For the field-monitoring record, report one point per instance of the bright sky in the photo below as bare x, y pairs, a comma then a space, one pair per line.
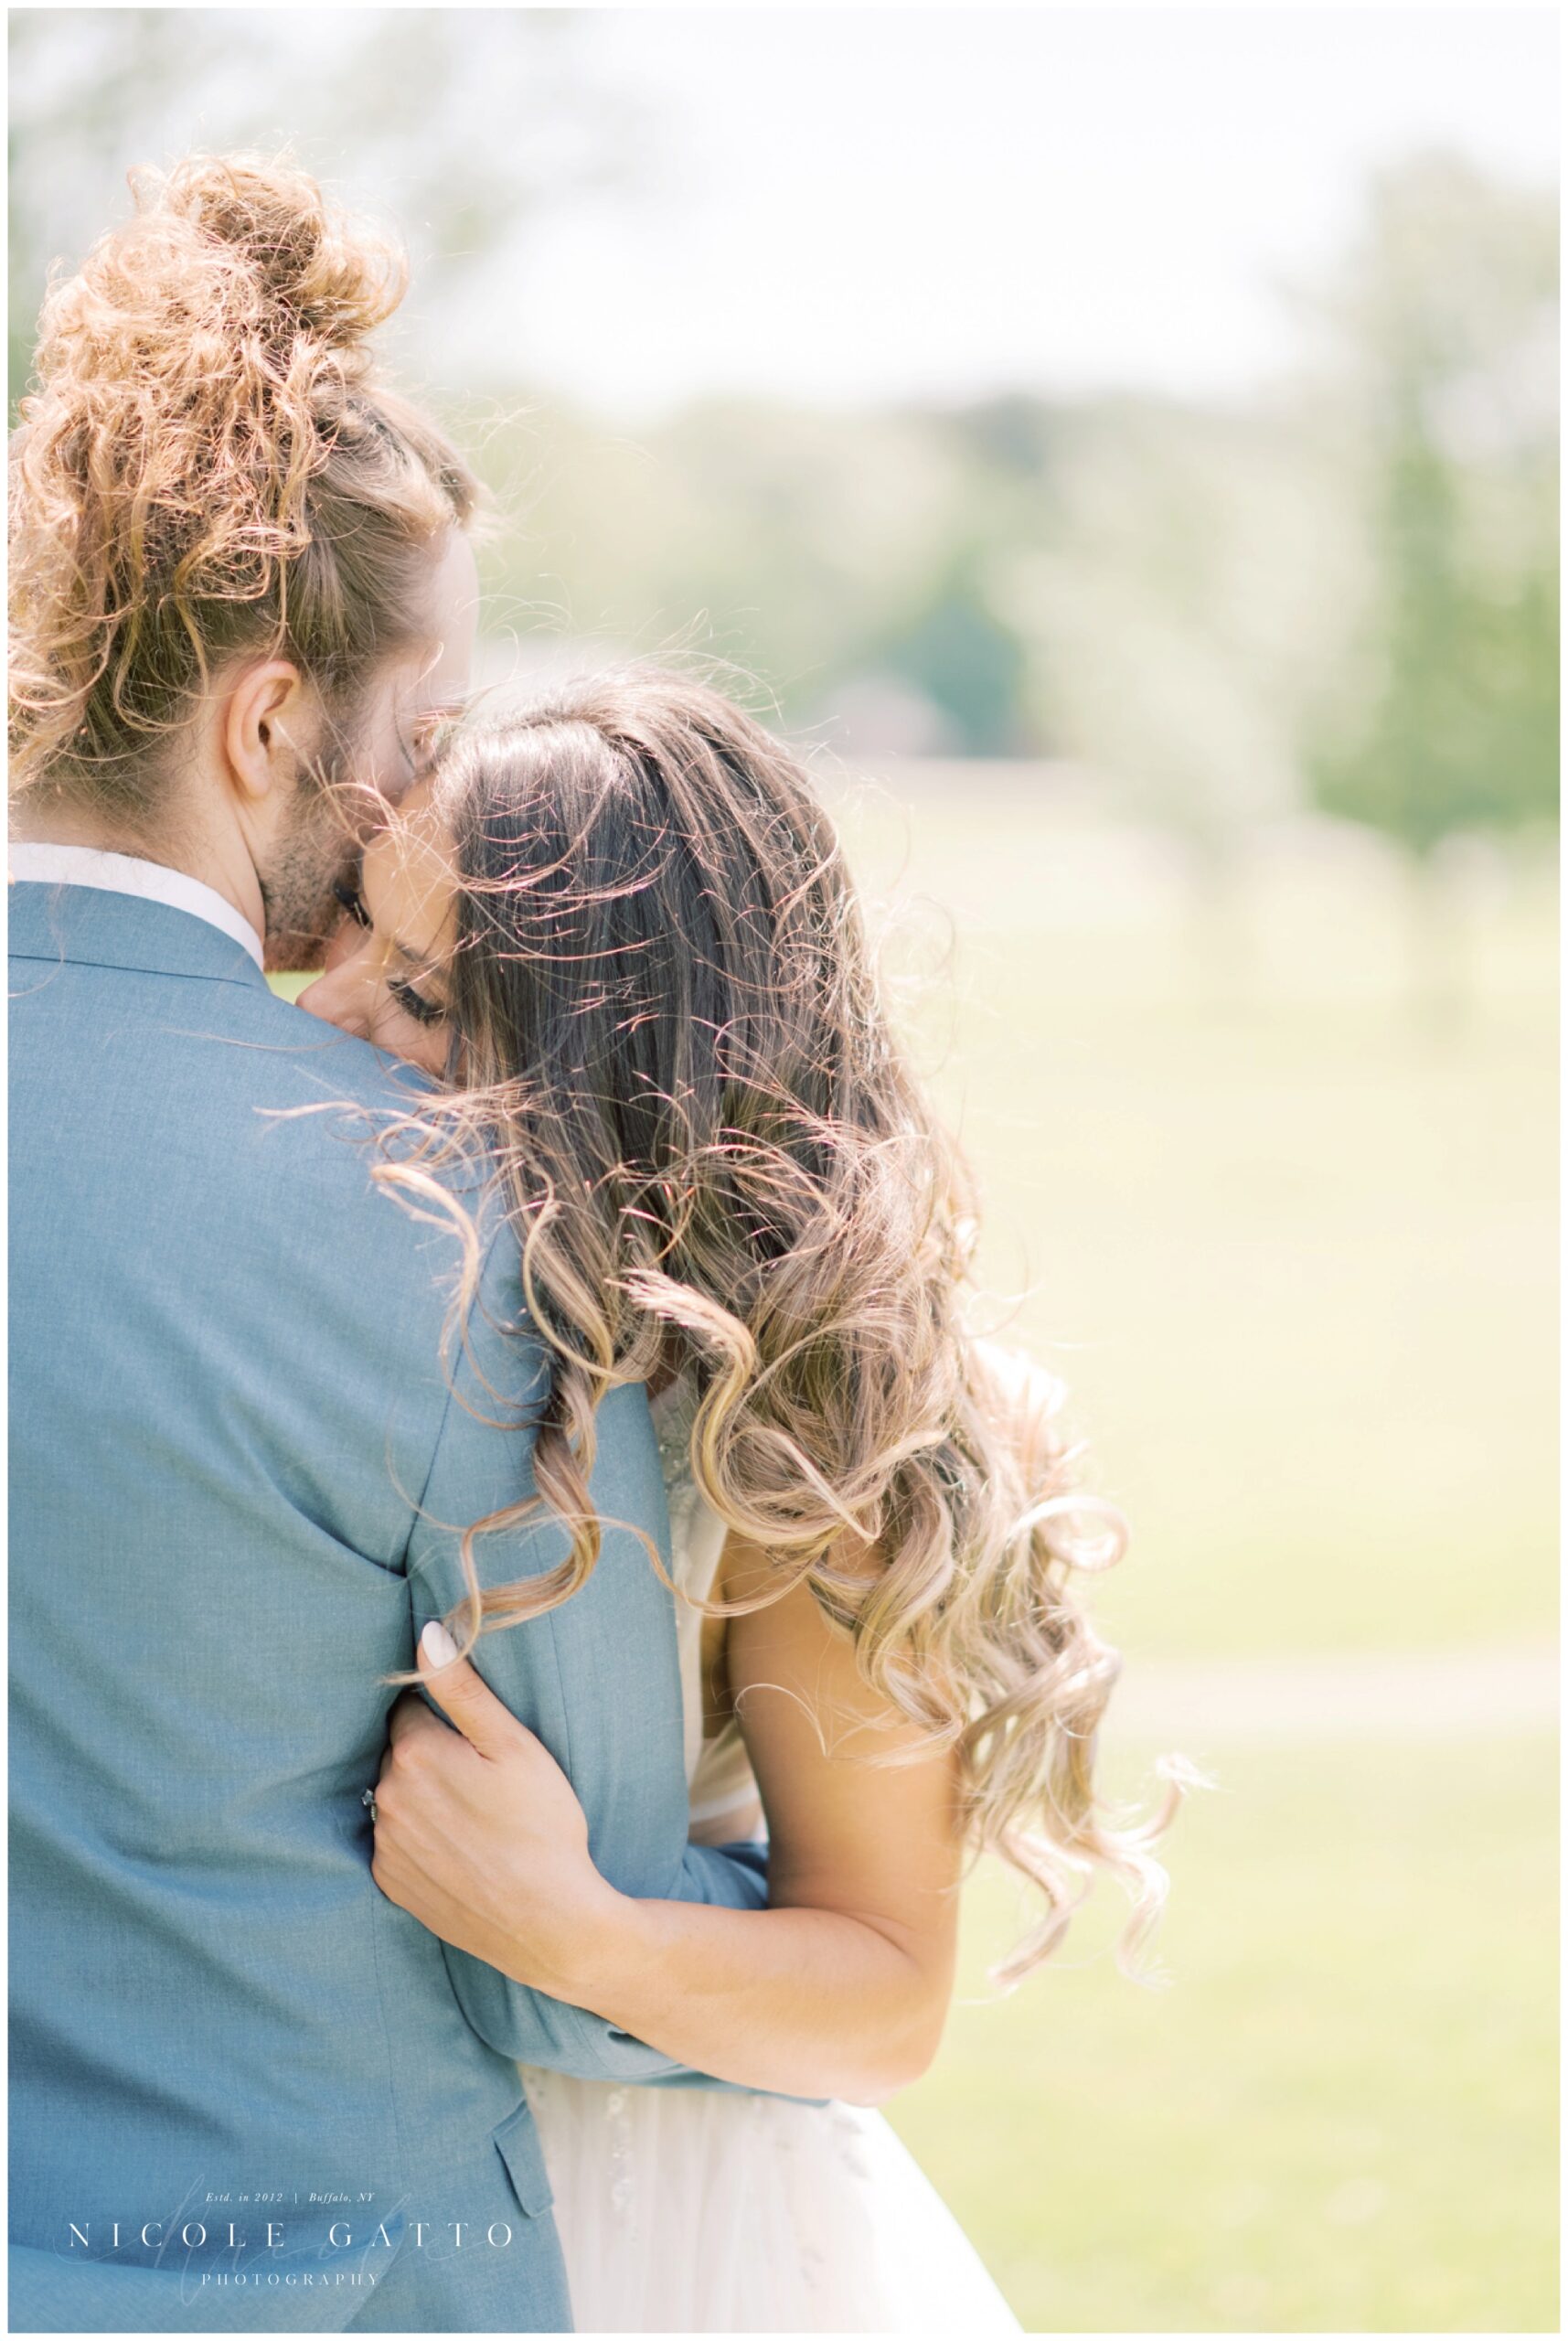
858, 203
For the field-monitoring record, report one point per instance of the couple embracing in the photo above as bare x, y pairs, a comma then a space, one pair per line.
524, 1591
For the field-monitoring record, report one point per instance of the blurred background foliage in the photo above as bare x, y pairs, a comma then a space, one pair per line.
1200, 756
1341, 592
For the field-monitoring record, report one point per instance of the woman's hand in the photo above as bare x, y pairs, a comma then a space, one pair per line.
480, 1836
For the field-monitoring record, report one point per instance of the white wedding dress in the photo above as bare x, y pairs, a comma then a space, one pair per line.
703, 2210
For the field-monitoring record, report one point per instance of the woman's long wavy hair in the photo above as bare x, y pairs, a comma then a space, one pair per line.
716, 1159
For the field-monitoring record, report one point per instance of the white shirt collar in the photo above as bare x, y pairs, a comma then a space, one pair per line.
127, 874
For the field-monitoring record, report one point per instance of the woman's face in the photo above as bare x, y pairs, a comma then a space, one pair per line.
385, 978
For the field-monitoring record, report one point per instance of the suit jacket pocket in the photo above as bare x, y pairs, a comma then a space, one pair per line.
517, 2141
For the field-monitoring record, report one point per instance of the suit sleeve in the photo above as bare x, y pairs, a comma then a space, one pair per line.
597, 1678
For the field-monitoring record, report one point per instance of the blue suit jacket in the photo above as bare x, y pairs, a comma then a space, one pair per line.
239, 1477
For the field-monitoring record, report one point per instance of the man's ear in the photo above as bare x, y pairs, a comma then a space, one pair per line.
266, 730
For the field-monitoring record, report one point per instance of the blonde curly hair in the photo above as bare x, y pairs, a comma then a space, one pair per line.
208, 467
667, 1029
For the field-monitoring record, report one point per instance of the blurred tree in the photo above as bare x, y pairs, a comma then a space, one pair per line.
1176, 594
846, 559
960, 644
456, 125
794, 545
1180, 598
1443, 332
967, 661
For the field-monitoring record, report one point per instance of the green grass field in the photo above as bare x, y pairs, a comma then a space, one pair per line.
1295, 1252
1341, 2115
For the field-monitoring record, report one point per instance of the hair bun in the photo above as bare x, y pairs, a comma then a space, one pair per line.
313, 274
203, 415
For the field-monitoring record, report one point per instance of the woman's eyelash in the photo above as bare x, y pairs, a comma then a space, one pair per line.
422, 1010
413, 1003
352, 901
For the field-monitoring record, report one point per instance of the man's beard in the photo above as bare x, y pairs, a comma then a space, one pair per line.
318, 852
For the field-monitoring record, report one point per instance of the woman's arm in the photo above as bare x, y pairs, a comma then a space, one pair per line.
838, 1989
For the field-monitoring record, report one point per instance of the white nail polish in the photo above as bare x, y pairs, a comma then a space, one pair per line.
437, 1644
